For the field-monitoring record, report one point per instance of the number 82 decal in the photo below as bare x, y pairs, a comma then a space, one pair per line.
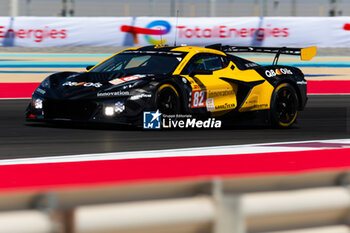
198, 99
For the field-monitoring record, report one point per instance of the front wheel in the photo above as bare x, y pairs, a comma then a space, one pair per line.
284, 106
168, 99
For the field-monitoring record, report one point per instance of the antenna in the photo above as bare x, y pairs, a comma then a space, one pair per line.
177, 20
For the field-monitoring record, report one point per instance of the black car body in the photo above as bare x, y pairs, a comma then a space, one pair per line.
172, 80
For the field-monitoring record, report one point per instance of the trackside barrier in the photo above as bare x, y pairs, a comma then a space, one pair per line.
330, 229
29, 221
185, 213
139, 31
308, 203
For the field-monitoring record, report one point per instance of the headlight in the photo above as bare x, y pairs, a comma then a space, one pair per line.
37, 104
109, 111
117, 108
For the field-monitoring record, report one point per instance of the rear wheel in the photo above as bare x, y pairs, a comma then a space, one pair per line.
284, 106
168, 99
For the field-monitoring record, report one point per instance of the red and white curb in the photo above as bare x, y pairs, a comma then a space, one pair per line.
295, 146
163, 165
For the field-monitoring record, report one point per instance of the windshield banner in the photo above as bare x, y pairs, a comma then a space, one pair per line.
139, 31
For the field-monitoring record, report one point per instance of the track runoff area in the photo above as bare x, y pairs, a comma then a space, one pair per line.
21, 73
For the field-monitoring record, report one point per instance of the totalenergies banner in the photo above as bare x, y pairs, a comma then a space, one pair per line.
138, 31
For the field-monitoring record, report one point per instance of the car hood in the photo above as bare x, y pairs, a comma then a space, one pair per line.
70, 85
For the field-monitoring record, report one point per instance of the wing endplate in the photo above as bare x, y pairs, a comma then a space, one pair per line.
306, 54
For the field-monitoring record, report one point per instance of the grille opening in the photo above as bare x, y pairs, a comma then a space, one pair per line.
69, 109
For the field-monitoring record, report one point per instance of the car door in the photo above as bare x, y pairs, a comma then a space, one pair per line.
208, 90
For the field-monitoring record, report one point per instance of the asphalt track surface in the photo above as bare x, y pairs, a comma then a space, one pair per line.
326, 117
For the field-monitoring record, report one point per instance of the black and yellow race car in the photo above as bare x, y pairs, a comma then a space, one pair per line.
203, 82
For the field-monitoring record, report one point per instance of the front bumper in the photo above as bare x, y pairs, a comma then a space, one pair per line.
121, 111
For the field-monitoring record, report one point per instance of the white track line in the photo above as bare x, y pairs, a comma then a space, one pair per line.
196, 151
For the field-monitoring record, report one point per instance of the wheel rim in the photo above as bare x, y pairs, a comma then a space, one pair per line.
286, 106
167, 101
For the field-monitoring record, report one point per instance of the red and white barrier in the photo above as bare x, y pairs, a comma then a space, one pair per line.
129, 31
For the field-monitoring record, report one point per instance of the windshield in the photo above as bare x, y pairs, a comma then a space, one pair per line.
142, 62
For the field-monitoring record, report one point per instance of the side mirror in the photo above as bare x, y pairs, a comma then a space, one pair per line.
89, 67
202, 72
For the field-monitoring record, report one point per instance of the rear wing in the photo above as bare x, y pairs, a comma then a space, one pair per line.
305, 54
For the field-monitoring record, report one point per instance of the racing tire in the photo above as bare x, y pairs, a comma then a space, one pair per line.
167, 100
284, 106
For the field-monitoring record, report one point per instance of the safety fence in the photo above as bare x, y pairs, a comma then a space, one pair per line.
308, 203
192, 8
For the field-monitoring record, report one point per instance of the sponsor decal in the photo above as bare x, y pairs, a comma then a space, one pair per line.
38, 35
273, 73
254, 101
278, 72
346, 27
140, 96
286, 71
119, 107
162, 27
133, 77
73, 75
41, 91
212, 94
258, 106
249, 65
152, 120
198, 99
116, 81
156, 28
302, 82
113, 93
85, 84
225, 106
223, 31
126, 79
270, 73
210, 104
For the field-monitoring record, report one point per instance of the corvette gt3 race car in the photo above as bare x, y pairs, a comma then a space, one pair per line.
203, 82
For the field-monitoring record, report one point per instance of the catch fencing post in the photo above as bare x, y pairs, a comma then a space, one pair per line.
13, 8
294, 8
228, 218
62, 220
172, 8
152, 6
212, 8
